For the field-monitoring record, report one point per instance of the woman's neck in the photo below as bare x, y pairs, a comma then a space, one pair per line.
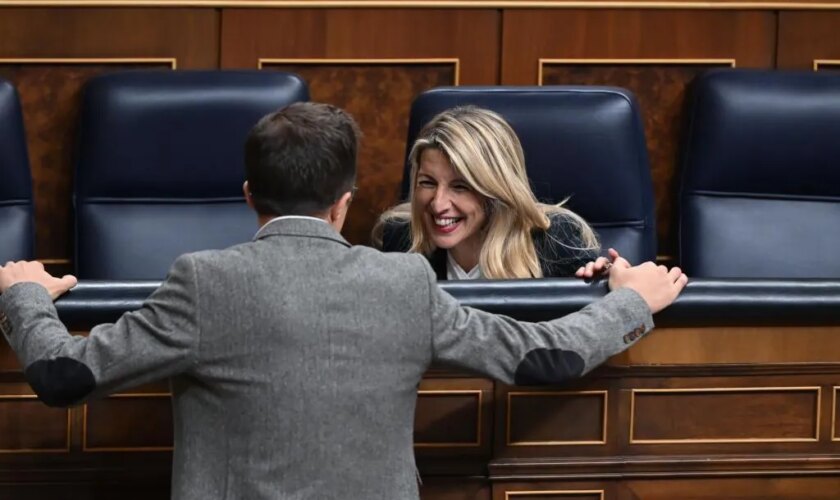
465, 255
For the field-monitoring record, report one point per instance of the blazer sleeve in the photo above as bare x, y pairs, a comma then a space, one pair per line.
157, 341
524, 353
561, 250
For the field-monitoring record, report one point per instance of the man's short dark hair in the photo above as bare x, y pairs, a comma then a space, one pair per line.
301, 159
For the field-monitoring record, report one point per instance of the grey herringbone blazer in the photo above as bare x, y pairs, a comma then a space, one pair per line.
295, 360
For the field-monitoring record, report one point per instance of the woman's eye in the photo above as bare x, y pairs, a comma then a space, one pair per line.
426, 183
460, 188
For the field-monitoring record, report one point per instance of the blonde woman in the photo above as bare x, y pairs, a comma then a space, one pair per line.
471, 210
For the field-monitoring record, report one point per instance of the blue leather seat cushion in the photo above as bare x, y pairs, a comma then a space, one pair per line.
118, 235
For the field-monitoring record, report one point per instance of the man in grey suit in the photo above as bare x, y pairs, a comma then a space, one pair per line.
295, 357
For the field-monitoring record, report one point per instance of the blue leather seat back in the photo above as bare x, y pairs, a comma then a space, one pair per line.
160, 165
16, 210
760, 194
586, 143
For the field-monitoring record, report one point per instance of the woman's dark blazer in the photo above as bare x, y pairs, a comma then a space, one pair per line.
556, 260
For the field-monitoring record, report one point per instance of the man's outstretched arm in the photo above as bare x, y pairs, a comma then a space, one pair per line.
554, 351
154, 342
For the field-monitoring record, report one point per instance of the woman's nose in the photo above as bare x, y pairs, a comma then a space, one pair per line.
441, 201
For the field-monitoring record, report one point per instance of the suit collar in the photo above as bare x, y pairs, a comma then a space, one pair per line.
302, 227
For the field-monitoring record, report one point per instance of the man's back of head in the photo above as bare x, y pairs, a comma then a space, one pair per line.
301, 159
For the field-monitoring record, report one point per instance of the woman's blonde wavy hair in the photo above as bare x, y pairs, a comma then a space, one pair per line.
485, 151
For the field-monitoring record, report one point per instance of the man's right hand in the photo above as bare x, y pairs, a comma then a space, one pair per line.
33, 272
656, 284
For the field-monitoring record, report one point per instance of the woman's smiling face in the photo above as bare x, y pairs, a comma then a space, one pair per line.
453, 213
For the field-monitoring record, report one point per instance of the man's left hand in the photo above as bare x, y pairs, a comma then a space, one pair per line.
33, 272
598, 268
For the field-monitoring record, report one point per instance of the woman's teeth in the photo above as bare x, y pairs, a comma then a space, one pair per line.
446, 222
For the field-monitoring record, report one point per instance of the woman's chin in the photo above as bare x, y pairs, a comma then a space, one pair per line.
444, 241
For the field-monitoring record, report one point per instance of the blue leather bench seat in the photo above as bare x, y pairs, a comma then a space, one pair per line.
160, 166
16, 209
760, 193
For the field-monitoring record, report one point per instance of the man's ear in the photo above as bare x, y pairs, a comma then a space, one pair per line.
246, 190
338, 210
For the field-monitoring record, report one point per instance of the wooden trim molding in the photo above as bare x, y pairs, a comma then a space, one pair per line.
146, 395
652, 62
434, 4
817, 411
834, 436
479, 414
173, 62
821, 63
602, 441
695, 346
456, 62
559, 493
13, 451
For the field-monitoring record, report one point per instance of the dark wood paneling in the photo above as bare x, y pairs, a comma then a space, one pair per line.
448, 418
555, 418
81, 491
554, 495
443, 488
743, 345
8, 360
679, 40
835, 406
454, 417
27, 426
759, 488
372, 63
747, 36
190, 35
807, 36
548, 490
135, 422
50, 91
729, 415
472, 36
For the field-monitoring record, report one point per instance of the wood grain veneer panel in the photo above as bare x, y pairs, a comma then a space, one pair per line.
190, 35
49, 53
680, 40
805, 37
8, 360
554, 495
373, 63
29, 426
549, 418
548, 490
453, 417
529, 35
734, 345
718, 415
835, 405
447, 488
448, 419
713, 488
470, 35
129, 422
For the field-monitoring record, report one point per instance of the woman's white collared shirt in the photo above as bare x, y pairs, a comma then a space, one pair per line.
455, 272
